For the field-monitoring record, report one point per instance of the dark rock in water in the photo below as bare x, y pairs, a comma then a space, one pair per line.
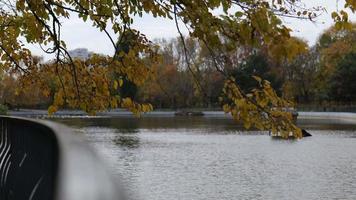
188, 113
305, 133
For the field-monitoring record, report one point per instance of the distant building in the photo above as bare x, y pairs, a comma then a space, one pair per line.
81, 53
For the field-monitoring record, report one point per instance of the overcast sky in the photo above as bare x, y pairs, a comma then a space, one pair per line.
78, 34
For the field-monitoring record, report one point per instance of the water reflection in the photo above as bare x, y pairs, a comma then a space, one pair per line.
210, 125
121, 125
127, 141
131, 123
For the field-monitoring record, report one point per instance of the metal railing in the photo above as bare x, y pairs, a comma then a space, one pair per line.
43, 160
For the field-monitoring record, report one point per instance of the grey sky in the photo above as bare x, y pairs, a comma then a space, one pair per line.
78, 34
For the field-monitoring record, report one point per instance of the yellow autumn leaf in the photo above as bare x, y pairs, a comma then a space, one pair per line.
115, 85
52, 110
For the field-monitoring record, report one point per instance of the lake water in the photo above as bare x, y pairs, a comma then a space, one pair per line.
201, 158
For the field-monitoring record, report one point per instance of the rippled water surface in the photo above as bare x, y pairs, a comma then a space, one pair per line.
213, 158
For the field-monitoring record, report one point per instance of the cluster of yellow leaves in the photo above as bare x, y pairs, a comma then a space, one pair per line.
261, 108
341, 17
12, 53
90, 91
76, 83
136, 108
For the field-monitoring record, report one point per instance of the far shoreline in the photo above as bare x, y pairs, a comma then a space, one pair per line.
34, 113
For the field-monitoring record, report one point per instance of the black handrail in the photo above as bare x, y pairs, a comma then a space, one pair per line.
44, 160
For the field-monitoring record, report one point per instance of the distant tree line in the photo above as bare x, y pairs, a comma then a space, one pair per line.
195, 78
326, 73
323, 74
